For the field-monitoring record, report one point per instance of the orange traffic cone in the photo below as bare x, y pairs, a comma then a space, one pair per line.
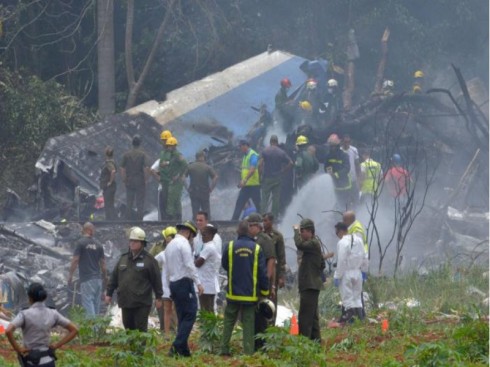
294, 328
384, 325
2, 330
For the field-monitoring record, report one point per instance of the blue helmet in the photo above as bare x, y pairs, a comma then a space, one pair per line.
397, 159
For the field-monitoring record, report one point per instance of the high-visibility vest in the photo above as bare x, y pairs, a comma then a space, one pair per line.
372, 172
357, 227
253, 297
254, 179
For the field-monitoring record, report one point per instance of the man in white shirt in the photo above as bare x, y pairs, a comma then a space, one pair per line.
355, 168
351, 262
181, 275
201, 222
208, 264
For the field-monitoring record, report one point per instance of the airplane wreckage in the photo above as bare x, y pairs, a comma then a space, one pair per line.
450, 126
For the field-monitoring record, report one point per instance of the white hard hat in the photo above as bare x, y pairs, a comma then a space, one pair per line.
332, 83
388, 84
266, 308
137, 234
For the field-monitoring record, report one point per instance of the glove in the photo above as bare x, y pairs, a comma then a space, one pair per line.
336, 282
336, 174
364, 276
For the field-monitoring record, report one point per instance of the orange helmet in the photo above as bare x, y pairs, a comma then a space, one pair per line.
286, 83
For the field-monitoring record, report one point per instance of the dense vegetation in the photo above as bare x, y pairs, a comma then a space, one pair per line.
438, 319
48, 52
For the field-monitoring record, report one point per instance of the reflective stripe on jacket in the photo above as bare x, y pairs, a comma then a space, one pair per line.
254, 179
372, 173
246, 268
358, 228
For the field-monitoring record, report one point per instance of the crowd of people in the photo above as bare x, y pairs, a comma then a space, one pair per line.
264, 170
179, 275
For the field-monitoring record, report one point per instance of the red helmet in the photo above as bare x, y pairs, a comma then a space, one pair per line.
286, 83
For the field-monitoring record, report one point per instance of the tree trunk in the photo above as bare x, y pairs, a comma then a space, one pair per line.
105, 57
382, 62
135, 85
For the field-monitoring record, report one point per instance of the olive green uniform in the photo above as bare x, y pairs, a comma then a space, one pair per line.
305, 167
108, 191
261, 324
135, 162
135, 279
172, 168
309, 284
280, 249
199, 190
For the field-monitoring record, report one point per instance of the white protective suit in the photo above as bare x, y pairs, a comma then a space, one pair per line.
351, 262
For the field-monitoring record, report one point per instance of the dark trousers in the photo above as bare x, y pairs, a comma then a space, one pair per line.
135, 194
246, 193
206, 301
109, 194
162, 202
185, 301
308, 320
136, 318
200, 203
261, 325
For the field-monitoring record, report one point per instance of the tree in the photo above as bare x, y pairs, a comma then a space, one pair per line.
135, 84
105, 57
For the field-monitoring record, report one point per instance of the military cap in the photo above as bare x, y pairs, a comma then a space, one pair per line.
254, 218
307, 224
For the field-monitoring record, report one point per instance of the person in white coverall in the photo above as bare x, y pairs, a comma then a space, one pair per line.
351, 263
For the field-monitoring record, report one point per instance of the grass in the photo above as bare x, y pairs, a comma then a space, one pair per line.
449, 327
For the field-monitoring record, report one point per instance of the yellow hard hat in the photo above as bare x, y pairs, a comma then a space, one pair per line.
169, 231
171, 141
165, 135
418, 74
301, 140
416, 88
305, 105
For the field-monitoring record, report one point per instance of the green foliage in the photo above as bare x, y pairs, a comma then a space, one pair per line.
292, 350
435, 355
471, 340
31, 112
90, 330
210, 327
132, 347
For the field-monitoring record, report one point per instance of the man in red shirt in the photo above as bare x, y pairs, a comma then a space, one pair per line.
397, 178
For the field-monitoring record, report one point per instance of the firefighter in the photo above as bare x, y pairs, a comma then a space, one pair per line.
371, 174
306, 164
333, 100
283, 105
155, 169
338, 167
418, 82
172, 174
